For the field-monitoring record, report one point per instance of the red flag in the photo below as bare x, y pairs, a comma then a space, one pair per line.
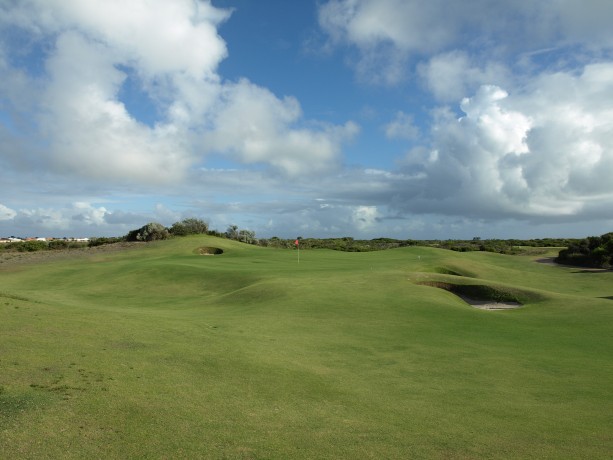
296, 242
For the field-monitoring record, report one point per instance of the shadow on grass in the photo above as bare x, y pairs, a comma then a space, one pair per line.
592, 270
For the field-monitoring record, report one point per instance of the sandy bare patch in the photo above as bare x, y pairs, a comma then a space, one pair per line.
10, 258
489, 305
209, 251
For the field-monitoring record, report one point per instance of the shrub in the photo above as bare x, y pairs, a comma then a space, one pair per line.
31, 246
593, 251
103, 240
58, 244
189, 227
151, 232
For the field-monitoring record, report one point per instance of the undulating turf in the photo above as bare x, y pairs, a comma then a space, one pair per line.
161, 352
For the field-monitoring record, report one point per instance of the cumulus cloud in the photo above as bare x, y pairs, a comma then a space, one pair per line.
256, 126
543, 154
127, 29
91, 131
88, 51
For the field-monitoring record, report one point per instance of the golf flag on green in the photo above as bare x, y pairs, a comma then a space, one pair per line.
297, 243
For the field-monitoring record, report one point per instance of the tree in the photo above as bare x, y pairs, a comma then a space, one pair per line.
232, 232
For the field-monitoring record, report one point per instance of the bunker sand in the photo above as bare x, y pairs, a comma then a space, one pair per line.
489, 305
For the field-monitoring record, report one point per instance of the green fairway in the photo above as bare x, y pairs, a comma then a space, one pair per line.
160, 352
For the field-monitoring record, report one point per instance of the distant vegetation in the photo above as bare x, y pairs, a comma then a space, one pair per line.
593, 251
348, 244
35, 245
579, 250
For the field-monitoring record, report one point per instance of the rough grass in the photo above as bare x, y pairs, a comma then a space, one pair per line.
157, 352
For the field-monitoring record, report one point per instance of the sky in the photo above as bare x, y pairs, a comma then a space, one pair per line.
327, 118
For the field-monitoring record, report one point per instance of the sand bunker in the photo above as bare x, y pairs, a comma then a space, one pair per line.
489, 305
209, 251
479, 296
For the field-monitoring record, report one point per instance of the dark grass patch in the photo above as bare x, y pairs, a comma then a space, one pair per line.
127, 345
15, 404
68, 386
6, 295
11, 406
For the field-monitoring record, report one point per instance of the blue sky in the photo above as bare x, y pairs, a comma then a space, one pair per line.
361, 118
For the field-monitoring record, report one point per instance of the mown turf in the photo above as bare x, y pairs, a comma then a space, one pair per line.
159, 352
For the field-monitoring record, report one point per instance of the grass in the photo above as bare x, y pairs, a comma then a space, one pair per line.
159, 352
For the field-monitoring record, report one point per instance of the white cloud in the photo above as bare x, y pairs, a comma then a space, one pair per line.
91, 131
402, 127
368, 23
170, 51
152, 32
364, 217
389, 34
6, 213
80, 218
257, 127
451, 75
88, 214
42, 219
79, 215
544, 153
